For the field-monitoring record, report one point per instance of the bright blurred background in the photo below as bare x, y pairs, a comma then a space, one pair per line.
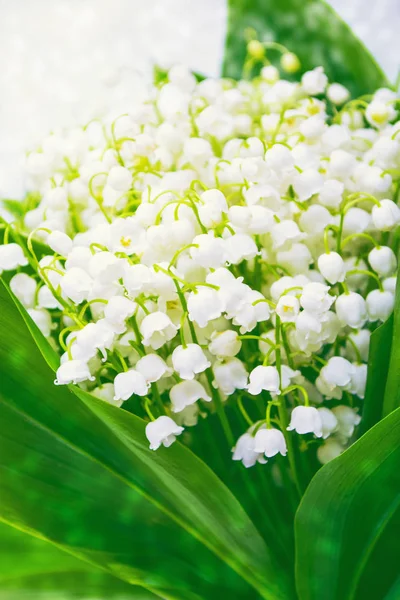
63, 62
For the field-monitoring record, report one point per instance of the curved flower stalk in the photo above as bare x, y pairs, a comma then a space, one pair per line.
226, 240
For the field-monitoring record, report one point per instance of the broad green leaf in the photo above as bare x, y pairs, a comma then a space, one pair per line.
348, 524
392, 389
378, 367
163, 520
36, 570
312, 30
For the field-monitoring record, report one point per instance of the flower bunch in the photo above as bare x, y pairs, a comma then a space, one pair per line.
225, 243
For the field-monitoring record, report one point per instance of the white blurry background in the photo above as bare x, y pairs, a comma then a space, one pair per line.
65, 61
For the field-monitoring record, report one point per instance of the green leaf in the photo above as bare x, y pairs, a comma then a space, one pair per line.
392, 389
348, 523
312, 30
91, 485
378, 367
34, 569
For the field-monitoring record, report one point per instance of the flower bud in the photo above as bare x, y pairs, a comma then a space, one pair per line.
290, 62
386, 215
332, 267
11, 257
337, 94
351, 310
314, 82
383, 260
59, 242
24, 287
379, 305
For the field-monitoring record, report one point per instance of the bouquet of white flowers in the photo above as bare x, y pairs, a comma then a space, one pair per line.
213, 265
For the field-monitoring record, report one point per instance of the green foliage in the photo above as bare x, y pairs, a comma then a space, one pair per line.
392, 389
34, 569
378, 367
78, 472
348, 524
312, 30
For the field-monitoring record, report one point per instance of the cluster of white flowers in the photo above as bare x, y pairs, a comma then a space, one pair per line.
226, 243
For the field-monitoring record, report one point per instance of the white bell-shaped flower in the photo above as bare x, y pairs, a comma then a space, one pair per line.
46, 299
329, 421
270, 441
78, 257
105, 267
264, 378
361, 339
106, 392
314, 82
329, 450
189, 416
120, 179
240, 247
288, 308
128, 383
24, 287
337, 93
73, 371
251, 310
93, 337
230, 375
152, 367
11, 257
118, 310
225, 344
76, 284
307, 183
60, 242
337, 372
348, 419
162, 431
186, 393
245, 452
210, 251
296, 259
213, 208
386, 215
383, 260
157, 329
380, 305
359, 380
332, 267
138, 279
189, 361
351, 310
204, 305
306, 419
286, 231
42, 319
315, 298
